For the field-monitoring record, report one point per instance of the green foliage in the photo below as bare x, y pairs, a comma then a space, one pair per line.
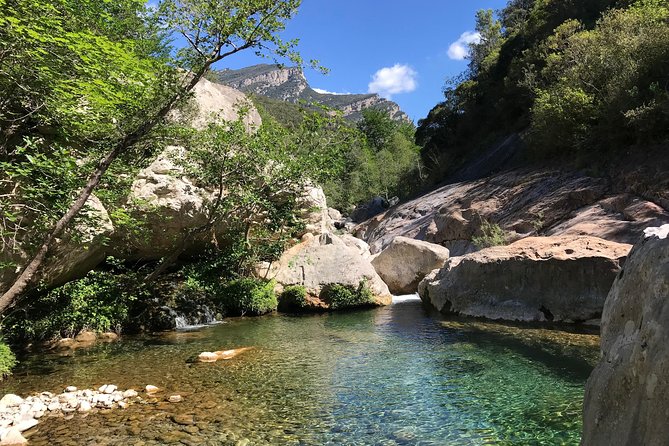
7, 360
345, 296
604, 86
579, 77
293, 298
379, 158
491, 235
100, 301
247, 297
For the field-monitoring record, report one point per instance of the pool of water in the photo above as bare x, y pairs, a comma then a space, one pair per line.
399, 375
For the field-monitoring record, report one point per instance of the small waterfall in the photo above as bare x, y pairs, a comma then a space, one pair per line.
180, 322
201, 317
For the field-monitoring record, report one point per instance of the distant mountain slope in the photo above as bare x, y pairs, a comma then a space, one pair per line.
290, 85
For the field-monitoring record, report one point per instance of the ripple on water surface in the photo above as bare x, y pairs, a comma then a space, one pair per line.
398, 375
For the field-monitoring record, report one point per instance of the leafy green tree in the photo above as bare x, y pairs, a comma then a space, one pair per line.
605, 86
214, 30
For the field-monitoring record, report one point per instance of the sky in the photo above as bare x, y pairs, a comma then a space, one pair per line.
403, 50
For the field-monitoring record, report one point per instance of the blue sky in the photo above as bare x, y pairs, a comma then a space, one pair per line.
409, 39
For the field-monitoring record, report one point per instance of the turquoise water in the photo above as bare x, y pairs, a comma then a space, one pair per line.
399, 375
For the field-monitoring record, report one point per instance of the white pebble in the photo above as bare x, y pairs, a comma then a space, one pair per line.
151, 389
130, 393
85, 406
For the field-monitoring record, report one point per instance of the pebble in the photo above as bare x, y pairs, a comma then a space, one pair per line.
130, 393
10, 400
183, 420
84, 406
151, 389
25, 424
175, 399
18, 415
13, 437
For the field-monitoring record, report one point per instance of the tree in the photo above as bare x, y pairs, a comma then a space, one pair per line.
490, 30
214, 30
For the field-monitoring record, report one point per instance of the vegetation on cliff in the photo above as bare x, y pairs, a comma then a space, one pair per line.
577, 78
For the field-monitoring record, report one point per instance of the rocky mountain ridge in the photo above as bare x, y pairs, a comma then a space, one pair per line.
289, 84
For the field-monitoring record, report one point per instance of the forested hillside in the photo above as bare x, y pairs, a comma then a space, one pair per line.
578, 79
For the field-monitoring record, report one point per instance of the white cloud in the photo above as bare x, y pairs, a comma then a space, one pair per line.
393, 80
459, 50
321, 91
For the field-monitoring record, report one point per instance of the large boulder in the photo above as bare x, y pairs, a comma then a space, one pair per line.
167, 203
163, 198
79, 250
322, 261
535, 279
405, 262
627, 395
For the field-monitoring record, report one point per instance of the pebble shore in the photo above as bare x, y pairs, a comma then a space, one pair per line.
18, 414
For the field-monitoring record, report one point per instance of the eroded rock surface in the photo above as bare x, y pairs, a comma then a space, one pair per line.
627, 395
534, 279
405, 262
163, 197
523, 203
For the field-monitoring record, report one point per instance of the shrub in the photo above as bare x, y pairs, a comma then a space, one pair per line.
491, 235
247, 296
100, 301
7, 360
347, 296
293, 298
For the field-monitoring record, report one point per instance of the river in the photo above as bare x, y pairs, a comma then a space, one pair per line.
399, 375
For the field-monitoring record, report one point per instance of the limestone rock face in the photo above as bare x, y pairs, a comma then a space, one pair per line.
523, 203
78, 251
166, 200
405, 262
168, 203
534, 279
627, 395
315, 211
325, 260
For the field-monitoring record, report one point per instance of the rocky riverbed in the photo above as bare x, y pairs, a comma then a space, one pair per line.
18, 415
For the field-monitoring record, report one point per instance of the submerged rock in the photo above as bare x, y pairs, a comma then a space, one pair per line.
405, 262
627, 395
535, 279
221, 355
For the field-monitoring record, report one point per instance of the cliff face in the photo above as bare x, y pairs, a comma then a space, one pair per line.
290, 85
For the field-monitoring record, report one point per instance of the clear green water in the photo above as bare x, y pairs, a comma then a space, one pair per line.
398, 375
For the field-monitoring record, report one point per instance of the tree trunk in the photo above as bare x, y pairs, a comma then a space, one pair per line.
27, 276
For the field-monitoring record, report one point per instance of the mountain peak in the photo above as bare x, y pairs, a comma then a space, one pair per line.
289, 84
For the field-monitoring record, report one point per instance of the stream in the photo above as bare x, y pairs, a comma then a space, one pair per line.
398, 375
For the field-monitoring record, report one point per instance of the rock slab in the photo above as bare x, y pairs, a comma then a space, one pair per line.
405, 262
627, 395
535, 279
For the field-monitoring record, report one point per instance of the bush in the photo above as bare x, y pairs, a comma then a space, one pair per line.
491, 235
7, 360
347, 296
100, 301
293, 298
247, 297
